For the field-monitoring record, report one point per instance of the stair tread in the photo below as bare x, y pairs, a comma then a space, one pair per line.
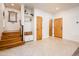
10, 44
10, 39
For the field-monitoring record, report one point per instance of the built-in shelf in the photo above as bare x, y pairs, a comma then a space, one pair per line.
29, 16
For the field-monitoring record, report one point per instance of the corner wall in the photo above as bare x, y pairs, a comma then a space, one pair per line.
9, 26
1, 19
70, 27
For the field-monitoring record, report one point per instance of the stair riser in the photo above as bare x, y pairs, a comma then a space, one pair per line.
9, 41
10, 33
9, 37
10, 46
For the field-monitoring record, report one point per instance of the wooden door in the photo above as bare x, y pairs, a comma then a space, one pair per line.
39, 27
50, 27
58, 27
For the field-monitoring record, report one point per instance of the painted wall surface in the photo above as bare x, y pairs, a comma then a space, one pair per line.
22, 14
9, 26
1, 20
27, 26
70, 27
45, 22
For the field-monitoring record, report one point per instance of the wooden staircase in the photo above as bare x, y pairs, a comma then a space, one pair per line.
10, 35
10, 39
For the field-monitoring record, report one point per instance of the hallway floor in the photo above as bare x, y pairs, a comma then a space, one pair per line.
46, 47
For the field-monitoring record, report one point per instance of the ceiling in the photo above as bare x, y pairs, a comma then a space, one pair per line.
13, 6
52, 7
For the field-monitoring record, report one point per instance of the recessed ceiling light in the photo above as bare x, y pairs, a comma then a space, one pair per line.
12, 4
57, 8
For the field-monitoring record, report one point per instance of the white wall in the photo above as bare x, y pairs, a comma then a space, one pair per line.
70, 27
27, 26
8, 26
45, 22
1, 20
22, 14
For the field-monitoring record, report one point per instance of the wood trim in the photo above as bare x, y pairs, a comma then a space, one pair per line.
21, 32
27, 33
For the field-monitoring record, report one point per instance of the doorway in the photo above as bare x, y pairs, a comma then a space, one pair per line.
58, 27
39, 27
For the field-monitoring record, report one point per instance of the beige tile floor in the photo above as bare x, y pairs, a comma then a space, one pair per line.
46, 47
